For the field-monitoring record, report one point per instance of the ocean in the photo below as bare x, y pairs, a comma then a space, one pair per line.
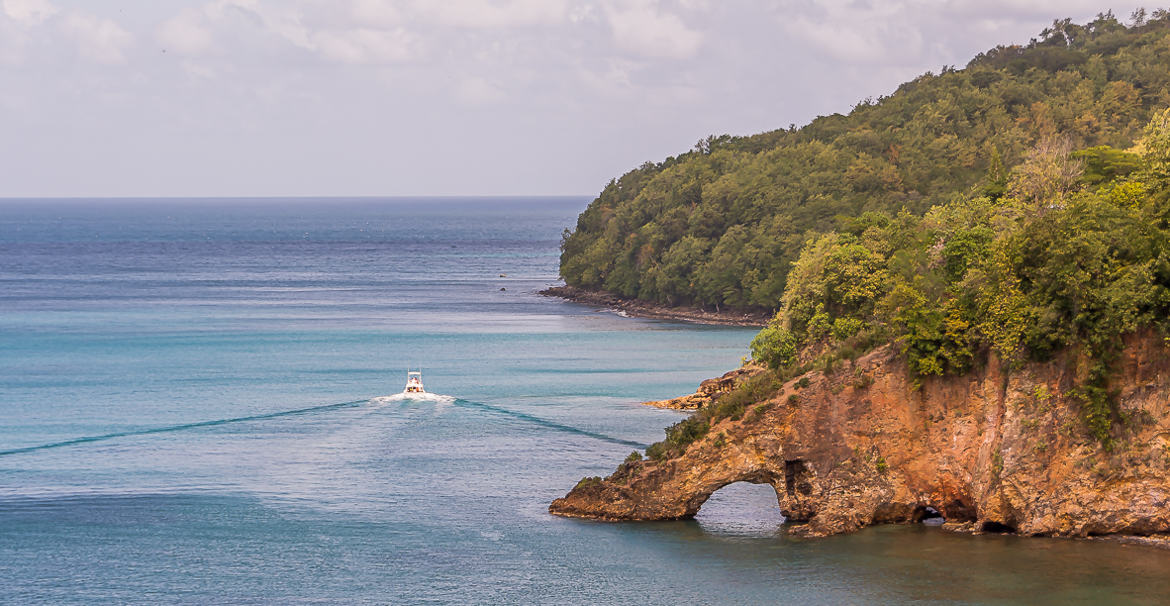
191, 394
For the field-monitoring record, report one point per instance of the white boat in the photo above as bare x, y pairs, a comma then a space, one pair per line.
414, 382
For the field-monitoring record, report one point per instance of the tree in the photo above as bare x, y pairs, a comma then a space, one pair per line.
1048, 173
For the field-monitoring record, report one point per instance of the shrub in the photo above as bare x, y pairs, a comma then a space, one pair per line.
863, 381
588, 481
775, 346
843, 328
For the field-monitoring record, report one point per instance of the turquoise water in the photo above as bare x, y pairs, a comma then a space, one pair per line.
186, 388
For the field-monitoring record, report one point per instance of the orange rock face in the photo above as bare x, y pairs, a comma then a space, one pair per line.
863, 445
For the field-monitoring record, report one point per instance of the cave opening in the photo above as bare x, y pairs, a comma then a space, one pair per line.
997, 527
796, 478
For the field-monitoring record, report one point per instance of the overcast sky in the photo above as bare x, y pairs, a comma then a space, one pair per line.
442, 97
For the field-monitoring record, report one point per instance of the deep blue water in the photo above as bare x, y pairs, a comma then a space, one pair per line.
186, 386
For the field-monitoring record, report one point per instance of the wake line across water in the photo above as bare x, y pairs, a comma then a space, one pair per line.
183, 427
286, 413
550, 424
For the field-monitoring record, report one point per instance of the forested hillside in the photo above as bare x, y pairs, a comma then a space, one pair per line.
721, 225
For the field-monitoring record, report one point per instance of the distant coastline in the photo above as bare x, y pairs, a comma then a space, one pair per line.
646, 309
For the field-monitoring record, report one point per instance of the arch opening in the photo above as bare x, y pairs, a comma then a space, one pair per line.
928, 515
742, 508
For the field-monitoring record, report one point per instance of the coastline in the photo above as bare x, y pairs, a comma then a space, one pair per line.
645, 309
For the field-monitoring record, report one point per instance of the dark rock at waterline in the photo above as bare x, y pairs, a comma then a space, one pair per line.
646, 309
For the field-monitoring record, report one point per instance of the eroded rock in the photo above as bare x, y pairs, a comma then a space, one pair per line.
991, 451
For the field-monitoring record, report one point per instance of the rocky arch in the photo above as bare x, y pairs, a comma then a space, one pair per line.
677, 490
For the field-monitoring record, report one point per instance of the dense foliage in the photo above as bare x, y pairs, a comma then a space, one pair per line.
723, 224
1075, 253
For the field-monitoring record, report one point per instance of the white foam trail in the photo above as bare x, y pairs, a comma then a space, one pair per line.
407, 397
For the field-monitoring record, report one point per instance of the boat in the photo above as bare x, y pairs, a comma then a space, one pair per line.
414, 382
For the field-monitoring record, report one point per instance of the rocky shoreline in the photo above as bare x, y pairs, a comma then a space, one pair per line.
645, 309
709, 390
997, 450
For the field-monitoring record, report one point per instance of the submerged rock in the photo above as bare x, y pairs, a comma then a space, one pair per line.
989, 451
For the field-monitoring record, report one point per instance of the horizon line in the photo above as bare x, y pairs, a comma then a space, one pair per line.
7, 198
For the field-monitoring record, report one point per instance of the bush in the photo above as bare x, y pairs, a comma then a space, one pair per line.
774, 346
588, 481
862, 381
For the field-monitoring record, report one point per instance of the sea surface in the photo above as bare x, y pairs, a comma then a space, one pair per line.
191, 412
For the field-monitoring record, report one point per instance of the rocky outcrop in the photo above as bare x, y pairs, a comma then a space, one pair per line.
709, 390
998, 450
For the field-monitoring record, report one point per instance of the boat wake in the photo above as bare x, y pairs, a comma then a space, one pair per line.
407, 397
182, 427
523, 416
398, 398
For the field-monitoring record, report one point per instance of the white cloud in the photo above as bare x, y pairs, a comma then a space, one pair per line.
246, 26
28, 12
245, 79
97, 39
478, 91
644, 29
363, 46
187, 33
376, 13
493, 14
859, 32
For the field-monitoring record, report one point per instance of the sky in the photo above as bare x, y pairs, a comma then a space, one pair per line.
111, 98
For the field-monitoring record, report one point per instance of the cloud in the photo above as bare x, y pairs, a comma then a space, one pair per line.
97, 39
643, 29
187, 33
28, 12
363, 46
564, 78
376, 13
478, 91
252, 28
858, 32
491, 14
37, 27
904, 32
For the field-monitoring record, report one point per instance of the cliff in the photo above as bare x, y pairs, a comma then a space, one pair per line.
992, 449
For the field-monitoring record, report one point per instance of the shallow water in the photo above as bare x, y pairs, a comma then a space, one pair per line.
192, 414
